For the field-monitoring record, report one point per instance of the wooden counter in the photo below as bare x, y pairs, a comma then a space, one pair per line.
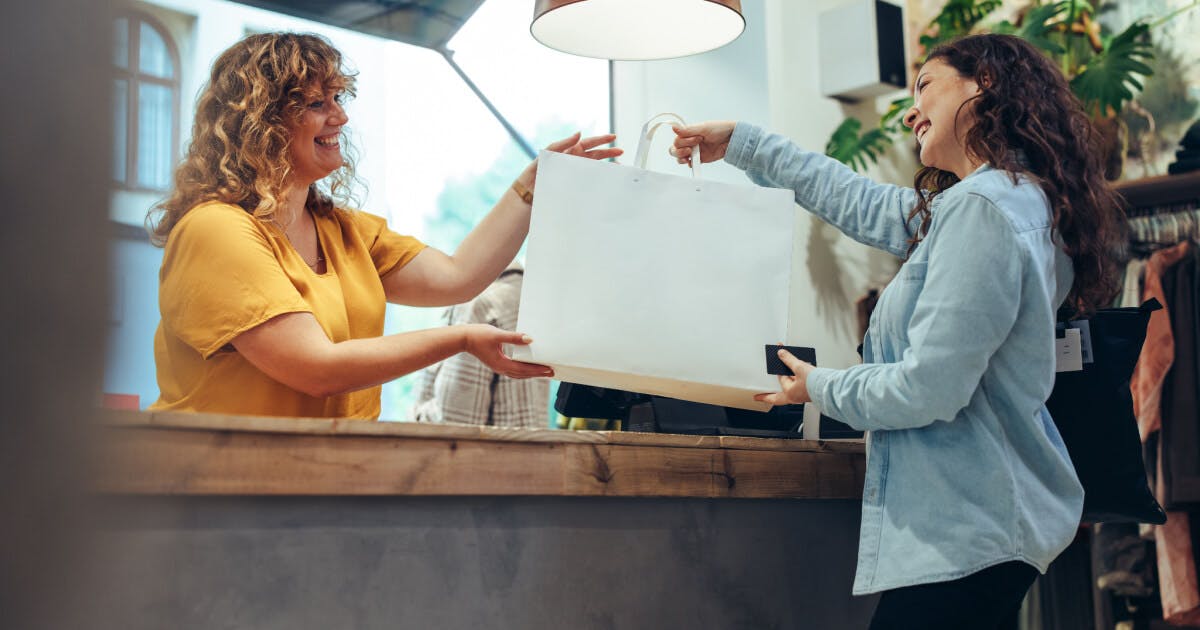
186, 454
289, 524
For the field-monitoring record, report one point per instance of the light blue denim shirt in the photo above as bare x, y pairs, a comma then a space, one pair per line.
965, 468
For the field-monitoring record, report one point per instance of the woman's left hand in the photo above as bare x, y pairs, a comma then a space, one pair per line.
795, 388
575, 145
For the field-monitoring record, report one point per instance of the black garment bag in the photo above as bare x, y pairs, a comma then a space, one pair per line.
1093, 410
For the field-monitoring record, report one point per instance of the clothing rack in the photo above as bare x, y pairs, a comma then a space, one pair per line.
1162, 211
1154, 231
1165, 208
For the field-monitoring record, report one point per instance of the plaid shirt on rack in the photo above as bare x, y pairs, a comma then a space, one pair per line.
462, 389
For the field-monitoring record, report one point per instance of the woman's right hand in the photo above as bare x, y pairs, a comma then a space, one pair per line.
574, 145
711, 136
486, 344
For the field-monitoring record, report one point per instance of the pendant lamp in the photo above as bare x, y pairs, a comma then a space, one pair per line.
629, 30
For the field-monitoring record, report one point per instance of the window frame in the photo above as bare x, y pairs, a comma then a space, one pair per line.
134, 77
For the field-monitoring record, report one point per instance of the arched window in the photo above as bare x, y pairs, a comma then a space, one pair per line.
145, 103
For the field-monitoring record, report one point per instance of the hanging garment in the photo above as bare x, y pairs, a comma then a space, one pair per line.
1177, 570
1159, 350
1180, 420
1131, 292
1178, 586
1166, 228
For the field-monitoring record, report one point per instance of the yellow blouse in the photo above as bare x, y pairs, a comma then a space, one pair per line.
225, 272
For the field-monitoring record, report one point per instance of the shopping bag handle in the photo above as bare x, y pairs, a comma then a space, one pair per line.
648, 129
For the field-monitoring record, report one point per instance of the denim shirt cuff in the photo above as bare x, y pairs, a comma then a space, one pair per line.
818, 384
742, 145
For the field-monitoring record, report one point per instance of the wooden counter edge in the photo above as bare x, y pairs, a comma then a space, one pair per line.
158, 459
343, 427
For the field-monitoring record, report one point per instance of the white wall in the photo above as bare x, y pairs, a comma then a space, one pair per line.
769, 77
728, 83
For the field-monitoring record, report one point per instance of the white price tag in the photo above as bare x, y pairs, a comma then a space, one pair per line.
1068, 353
1085, 339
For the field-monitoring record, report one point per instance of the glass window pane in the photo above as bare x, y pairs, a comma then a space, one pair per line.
448, 193
121, 42
153, 56
565, 94
154, 127
120, 127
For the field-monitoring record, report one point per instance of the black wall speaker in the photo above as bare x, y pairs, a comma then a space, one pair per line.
861, 49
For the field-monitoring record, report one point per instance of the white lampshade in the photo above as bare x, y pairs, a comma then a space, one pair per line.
626, 30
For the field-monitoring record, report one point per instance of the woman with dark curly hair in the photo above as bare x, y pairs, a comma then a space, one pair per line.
272, 290
968, 491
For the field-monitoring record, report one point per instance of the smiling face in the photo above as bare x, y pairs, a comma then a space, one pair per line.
315, 144
936, 119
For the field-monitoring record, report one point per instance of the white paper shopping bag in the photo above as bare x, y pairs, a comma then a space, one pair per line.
655, 283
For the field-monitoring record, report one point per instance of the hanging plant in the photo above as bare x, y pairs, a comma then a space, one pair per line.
854, 150
955, 18
1109, 80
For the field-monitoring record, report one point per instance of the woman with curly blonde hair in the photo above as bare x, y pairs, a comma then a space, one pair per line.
272, 293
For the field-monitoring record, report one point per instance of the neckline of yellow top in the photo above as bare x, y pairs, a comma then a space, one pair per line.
317, 232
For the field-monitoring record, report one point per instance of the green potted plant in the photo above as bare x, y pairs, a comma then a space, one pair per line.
1105, 70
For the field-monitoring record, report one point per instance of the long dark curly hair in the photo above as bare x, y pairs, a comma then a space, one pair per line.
1026, 108
240, 139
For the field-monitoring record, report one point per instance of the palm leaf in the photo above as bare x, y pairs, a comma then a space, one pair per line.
1039, 23
1081, 6
893, 119
1109, 80
1004, 27
957, 18
853, 150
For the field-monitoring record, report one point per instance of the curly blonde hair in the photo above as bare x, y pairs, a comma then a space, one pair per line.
239, 152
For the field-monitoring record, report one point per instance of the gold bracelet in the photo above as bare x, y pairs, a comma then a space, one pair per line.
524, 193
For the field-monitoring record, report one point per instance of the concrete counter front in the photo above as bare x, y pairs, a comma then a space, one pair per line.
229, 522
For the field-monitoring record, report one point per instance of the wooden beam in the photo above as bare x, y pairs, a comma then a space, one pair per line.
255, 456
1160, 190
327, 426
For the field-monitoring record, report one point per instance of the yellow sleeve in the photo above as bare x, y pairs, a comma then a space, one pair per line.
221, 277
389, 250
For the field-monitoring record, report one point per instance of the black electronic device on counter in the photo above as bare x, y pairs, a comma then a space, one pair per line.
659, 414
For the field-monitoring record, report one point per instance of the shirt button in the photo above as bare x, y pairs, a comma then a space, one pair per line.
871, 496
